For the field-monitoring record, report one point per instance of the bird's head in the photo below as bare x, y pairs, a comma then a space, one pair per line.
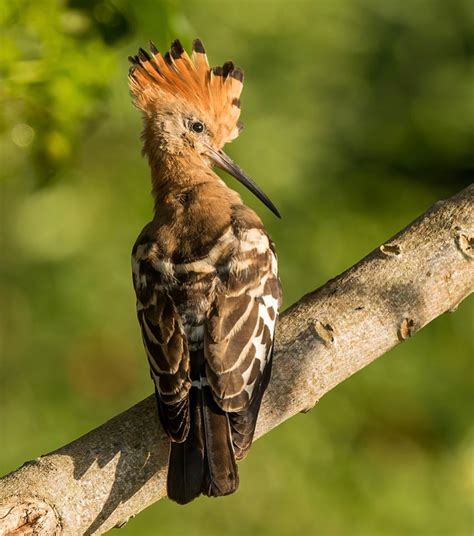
190, 110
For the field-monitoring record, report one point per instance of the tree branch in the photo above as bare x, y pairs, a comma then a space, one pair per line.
115, 471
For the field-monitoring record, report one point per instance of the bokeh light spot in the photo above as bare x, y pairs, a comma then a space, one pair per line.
22, 134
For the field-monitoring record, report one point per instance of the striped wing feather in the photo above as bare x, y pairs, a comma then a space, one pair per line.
167, 351
239, 334
237, 338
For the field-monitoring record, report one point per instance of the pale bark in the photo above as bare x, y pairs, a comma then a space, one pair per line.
115, 471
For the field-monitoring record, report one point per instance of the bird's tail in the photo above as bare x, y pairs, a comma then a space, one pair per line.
205, 461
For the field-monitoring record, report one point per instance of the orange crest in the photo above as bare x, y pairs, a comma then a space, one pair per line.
157, 80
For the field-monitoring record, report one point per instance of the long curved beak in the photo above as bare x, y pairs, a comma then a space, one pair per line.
221, 160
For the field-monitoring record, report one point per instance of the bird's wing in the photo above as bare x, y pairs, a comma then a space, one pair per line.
164, 340
239, 332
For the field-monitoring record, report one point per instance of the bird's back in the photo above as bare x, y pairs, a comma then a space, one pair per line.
207, 301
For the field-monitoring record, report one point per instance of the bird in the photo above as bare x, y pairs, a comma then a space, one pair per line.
204, 270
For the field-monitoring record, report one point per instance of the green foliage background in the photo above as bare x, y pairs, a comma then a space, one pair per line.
359, 114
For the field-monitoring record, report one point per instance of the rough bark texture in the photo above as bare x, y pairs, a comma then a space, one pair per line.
115, 471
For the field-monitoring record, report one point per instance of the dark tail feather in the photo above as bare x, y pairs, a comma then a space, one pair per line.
221, 476
187, 459
205, 461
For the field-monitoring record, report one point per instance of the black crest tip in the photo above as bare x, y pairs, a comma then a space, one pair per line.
153, 48
198, 46
236, 102
218, 71
133, 60
176, 49
238, 74
227, 68
167, 58
143, 55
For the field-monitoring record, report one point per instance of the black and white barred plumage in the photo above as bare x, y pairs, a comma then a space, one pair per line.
208, 325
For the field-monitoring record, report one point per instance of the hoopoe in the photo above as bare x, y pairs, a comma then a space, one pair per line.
204, 271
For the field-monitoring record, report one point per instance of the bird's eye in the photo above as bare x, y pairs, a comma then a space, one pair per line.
197, 126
